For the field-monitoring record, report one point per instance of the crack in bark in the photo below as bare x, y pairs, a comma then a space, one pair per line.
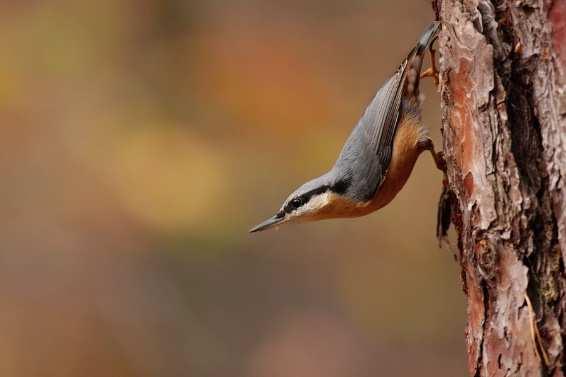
485, 293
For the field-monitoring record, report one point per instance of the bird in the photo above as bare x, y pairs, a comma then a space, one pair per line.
378, 156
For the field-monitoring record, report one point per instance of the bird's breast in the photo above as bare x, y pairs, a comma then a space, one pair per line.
406, 150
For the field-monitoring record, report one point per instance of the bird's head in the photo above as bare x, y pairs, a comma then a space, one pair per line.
321, 198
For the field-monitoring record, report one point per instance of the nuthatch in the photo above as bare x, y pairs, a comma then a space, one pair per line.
377, 158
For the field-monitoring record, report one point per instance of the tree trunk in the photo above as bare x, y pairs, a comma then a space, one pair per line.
503, 70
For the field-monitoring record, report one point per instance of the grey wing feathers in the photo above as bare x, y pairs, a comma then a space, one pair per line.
367, 153
383, 144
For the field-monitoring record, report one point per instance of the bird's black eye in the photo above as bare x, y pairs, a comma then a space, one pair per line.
294, 204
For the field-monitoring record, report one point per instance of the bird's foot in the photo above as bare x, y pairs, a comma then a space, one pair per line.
432, 71
440, 162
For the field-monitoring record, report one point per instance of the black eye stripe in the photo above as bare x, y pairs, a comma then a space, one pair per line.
293, 205
299, 201
340, 187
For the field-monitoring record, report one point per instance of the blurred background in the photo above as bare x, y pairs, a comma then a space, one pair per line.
141, 139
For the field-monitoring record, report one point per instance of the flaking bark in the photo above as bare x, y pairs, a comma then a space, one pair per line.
502, 66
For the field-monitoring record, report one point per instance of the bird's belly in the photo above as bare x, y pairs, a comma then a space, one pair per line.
406, 150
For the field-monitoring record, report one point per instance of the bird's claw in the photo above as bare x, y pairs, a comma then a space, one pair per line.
432, 71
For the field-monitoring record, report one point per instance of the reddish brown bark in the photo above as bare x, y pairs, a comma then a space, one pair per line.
503, 66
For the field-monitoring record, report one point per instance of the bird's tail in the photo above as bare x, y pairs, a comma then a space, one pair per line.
416, 57
427, 37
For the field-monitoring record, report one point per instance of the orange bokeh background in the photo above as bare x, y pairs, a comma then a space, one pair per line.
141, 140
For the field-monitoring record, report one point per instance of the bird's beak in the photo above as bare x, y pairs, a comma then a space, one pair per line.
267, 224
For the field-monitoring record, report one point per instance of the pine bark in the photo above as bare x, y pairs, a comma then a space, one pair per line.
503, 90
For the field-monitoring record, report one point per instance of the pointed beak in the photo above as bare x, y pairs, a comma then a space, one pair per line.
267, 224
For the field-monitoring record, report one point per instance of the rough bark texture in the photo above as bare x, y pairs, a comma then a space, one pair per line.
503, 65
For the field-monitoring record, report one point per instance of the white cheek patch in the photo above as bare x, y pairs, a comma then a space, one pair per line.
316, 203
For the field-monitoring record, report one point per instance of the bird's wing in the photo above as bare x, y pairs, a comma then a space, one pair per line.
367, 152
382, 128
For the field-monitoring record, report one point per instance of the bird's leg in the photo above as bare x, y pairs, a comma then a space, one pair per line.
432, 71
426, 144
